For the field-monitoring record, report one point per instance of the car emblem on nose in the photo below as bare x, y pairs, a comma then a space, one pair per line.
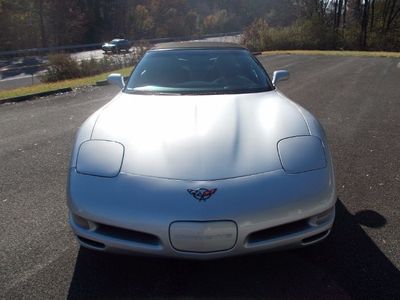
202, 194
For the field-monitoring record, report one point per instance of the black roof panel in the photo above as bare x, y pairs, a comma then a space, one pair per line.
197, 45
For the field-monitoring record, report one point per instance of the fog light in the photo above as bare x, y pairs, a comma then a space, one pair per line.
81, 222
322, 218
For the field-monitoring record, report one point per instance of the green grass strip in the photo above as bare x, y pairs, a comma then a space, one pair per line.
335, 53
73, 83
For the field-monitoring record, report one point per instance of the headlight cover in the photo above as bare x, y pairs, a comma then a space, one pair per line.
100, 158
301, 154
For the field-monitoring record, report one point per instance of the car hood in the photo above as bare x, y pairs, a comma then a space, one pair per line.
199, 137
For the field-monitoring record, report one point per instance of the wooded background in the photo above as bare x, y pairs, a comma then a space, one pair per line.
268, 24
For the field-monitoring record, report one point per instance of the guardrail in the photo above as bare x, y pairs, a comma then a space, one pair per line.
76, 48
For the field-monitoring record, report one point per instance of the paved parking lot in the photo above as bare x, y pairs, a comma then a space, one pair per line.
357, 101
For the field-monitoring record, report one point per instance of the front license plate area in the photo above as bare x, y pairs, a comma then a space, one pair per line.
203, 237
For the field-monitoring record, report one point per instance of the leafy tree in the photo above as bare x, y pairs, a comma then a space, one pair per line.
256, 36
352, 24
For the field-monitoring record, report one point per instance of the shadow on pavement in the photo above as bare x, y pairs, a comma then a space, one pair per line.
347, 265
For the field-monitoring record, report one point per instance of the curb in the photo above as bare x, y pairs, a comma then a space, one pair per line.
105, 82
37, 95
49, 93
102, 82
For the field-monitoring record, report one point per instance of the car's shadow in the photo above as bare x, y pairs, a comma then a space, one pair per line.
347, 265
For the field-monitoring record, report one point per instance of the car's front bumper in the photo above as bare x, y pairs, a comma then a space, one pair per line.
133, 214
108, 48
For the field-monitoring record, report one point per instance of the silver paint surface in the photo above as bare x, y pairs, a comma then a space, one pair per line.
199, 137
228, 142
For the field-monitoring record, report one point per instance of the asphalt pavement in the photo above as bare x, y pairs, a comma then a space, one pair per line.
358, 102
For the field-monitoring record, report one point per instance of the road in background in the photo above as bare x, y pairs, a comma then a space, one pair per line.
357, 101
98, 54
21, 71
25, 71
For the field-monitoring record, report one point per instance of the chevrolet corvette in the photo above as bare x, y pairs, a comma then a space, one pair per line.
200, 156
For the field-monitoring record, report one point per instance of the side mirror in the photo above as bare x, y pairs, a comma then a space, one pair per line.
116, 79
280, 75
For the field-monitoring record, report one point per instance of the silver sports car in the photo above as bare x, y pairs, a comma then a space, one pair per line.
200, 156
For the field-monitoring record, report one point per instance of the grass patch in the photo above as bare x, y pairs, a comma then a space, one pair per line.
73, 83
335, 53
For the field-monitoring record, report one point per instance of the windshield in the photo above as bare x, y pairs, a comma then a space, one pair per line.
194, 71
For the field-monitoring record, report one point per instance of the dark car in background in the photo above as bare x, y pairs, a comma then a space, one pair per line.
116, 45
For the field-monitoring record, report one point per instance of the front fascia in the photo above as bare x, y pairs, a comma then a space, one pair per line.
150, 204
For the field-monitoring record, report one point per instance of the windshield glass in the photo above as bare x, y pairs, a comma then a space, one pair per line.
193, 71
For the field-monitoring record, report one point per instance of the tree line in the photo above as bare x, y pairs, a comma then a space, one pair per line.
332, 24
362, 24
44, 23
350, 24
